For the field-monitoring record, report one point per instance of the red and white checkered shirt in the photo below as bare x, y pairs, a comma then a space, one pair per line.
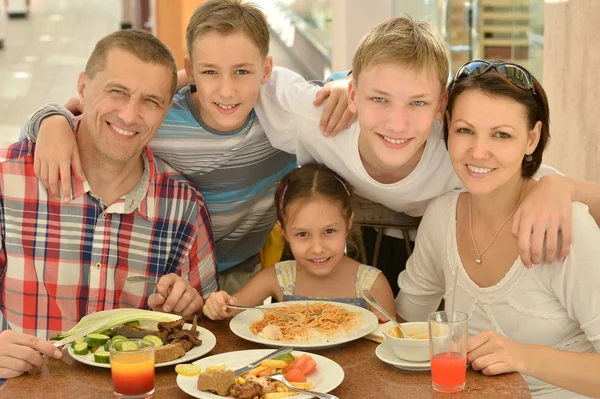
60, 261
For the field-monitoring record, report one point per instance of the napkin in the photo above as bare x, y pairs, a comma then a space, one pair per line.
377, 334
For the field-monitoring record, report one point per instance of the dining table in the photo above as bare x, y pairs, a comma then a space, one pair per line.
365, 376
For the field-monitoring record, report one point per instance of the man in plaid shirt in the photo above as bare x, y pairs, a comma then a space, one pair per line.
132, 216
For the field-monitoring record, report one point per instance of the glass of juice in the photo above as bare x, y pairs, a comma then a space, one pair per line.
448, 334
132, 366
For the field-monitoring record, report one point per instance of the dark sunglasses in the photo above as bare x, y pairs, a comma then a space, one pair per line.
516, 74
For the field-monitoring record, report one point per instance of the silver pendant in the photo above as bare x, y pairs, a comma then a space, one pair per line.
478, 260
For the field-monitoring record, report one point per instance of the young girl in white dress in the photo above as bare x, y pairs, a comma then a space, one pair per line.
314, 210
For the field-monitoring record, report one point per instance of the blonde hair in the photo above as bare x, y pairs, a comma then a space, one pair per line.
229, 16
140, 43
416, 44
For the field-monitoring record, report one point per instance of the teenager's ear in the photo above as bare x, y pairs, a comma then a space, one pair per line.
81, 85
352, 97
189, 69
439, 115
267, 69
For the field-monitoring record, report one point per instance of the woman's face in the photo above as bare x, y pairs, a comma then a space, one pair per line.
488, 136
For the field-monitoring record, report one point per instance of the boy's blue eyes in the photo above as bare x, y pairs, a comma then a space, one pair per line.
237, 72
418, 103
378, 99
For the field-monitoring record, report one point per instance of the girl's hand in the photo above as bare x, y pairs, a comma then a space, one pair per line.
495, 354
215, 307
336, 114
544, 213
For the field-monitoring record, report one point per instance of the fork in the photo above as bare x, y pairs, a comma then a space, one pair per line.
261, 308
279, 377
140, 279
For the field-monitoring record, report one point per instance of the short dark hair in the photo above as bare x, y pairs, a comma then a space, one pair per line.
535, 105
229, 16
140, 43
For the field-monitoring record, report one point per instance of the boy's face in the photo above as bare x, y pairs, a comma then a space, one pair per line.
228, 71
396, 107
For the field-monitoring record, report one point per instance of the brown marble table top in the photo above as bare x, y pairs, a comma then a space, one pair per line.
365, 376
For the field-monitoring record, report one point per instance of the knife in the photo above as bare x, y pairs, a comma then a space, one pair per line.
80, 334
271, 355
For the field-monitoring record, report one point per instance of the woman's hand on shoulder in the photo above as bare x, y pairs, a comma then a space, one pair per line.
215, 307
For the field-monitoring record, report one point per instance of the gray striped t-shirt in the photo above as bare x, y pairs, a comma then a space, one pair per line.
236, 172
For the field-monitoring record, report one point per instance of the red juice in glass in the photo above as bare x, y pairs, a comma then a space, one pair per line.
133, 370
448, 372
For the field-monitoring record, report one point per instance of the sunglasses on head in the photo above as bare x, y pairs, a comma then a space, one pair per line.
516, 74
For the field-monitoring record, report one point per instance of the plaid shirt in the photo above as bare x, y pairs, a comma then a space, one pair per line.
60, 261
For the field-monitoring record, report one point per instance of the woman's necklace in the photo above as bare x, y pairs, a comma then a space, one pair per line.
480, 254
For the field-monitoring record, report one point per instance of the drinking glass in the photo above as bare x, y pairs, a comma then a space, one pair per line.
132, 366
448, 334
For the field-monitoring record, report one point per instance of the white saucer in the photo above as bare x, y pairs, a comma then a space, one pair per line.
386, 355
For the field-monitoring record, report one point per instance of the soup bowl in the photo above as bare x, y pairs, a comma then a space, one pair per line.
415, 348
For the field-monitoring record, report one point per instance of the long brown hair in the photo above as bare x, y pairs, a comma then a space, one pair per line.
535, 106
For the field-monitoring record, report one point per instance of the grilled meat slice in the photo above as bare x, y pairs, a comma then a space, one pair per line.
131, 331
247, 390
171, 326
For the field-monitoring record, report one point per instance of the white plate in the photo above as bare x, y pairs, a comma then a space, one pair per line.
386, 355
208, 343
327, 376
240, 326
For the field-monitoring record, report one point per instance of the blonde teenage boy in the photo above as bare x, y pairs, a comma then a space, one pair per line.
395, 153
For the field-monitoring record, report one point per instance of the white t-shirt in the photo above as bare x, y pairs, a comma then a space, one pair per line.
555, 305
291, 122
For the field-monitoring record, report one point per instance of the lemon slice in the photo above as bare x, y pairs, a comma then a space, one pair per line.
188, 370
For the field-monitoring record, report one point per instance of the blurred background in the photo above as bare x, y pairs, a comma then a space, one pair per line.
44, 45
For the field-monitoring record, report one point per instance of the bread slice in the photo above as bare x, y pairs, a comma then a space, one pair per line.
168, 352
216, 381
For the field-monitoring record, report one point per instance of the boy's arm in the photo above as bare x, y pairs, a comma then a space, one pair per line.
31, 128
285, 109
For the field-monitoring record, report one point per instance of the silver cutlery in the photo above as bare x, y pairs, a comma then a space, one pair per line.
261, 308
279, 377
370, 298
140, 279
279, 352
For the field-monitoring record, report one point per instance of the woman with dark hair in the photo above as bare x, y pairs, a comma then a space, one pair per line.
543, 322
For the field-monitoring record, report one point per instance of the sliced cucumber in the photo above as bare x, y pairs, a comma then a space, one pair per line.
102, 357
154, 339
129, 346
95, 348
133, 323
80, 348
116, 338
96, 339
78, 341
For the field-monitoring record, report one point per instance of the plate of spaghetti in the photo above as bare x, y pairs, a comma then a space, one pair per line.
316, 324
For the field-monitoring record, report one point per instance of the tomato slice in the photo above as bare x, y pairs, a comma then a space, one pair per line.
305, 363
295, 375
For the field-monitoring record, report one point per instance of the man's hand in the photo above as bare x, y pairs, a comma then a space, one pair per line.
495, 354
55, 152
215, 308
544, 213
336, 115
175, 295
21, 352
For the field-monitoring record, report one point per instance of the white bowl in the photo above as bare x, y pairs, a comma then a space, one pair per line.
414, 350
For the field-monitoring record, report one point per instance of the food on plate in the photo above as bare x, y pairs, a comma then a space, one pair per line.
216, 381
418, 333
171, 340
314, 322
189, 370
255, 384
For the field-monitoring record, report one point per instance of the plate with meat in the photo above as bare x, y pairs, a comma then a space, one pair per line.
216, 378
174, 342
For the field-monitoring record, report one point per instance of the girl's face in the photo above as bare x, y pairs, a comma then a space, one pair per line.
316, 230
488, 137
